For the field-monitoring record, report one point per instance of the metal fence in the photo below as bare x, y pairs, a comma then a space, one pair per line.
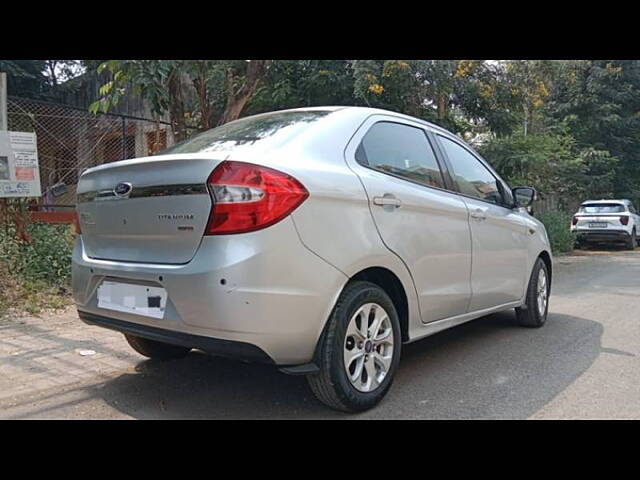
553, 202
71, 139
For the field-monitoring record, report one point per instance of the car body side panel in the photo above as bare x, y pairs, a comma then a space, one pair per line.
335, 221
336, 224
500, 248
429, 232
537, 244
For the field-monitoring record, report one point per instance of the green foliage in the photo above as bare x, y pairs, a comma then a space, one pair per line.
599, 102
45, 258
38, 78
35, 275
147, 78
550, 162
557, 224
303, 83
25, 77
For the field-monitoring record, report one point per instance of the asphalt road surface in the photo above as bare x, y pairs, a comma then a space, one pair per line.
584, 363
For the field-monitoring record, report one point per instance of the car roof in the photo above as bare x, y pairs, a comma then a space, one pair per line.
365, 112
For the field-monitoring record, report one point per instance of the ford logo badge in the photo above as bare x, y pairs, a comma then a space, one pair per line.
122, 189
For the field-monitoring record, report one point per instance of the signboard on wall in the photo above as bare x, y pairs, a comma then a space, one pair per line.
19, 172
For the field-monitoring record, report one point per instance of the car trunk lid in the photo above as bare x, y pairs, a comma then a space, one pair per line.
149, 210
599, 220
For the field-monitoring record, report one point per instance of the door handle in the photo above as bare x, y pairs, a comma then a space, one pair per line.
387, 200
478, 215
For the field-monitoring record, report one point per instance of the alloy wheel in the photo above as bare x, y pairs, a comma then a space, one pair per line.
368, 347
543, 293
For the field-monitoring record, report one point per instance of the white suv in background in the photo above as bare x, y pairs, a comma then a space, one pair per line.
606, 221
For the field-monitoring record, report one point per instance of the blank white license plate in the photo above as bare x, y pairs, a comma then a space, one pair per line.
597, 224
132, 298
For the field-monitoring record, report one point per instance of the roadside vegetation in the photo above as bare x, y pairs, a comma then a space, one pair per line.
35, 274
557, 224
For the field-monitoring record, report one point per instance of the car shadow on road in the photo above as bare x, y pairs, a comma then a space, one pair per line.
488, 368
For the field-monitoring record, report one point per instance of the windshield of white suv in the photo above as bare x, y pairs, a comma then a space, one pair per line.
264, 131
602, 208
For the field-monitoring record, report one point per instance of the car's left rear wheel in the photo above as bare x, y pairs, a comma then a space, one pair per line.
359, 351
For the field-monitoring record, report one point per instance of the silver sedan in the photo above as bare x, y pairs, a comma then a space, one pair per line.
319, 240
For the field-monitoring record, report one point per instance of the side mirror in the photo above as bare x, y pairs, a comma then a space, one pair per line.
524, 196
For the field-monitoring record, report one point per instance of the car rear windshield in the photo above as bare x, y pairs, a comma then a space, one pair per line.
602, 208
263, 131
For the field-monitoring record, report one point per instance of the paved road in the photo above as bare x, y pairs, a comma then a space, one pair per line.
585, 363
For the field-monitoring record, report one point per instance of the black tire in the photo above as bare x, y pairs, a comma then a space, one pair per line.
529, 315
331, 385
154, 349
632, 241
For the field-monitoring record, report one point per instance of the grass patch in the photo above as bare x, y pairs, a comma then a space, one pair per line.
35, 275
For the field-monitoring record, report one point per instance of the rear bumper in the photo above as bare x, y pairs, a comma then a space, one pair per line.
604, 235
264, 289
215, 346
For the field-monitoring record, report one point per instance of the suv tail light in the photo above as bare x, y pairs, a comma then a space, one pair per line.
248, 197
574, 220
624, 220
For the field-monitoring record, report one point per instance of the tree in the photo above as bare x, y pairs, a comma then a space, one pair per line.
465, 96
196, 93
598, 102
529, 82
241, 85
60, 71
25, 78
548, 161
389, 84
303, 83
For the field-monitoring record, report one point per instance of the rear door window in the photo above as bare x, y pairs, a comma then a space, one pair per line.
402, 151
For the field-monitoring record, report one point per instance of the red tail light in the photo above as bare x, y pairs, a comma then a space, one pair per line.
248, 197
624, 220
574, 220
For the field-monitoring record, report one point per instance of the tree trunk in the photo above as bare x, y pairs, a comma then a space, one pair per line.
237, 99
442, 106
176, 106
200, 84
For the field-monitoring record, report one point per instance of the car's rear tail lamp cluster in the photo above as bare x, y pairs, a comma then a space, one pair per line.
624, 220
574, 220
248, 197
